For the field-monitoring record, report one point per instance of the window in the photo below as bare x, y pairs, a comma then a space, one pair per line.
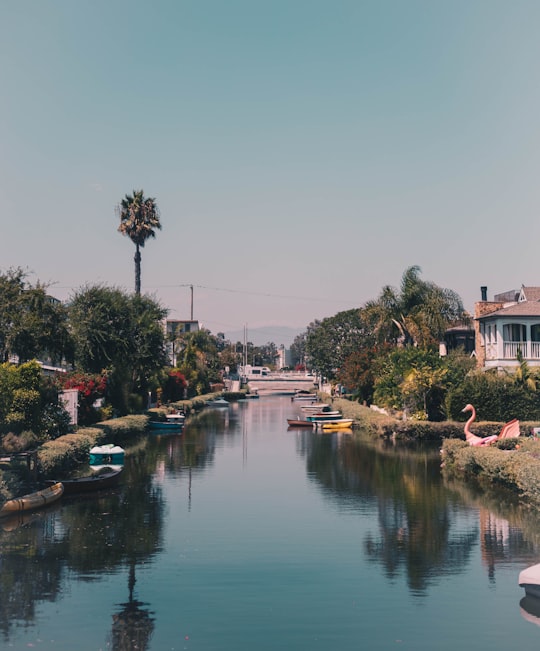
515, 332
535, 332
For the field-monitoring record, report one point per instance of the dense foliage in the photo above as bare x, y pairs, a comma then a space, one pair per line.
29, 401
32, 324
120, 334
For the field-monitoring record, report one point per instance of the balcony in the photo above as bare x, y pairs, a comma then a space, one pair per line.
529, 349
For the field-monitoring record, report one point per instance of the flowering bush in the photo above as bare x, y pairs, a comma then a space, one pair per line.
91, 388
175, 386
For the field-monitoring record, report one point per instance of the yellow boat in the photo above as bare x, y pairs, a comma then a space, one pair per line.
33, 500
343, 423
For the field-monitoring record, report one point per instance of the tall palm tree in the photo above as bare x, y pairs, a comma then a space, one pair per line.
139, 218
417, 315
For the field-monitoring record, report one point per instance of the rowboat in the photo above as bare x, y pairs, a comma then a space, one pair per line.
305, 397
297, 422
323, 416
316, 406
161, 425
91, 483
33, 500
217, 402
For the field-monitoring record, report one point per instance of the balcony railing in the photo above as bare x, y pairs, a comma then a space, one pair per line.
529, 349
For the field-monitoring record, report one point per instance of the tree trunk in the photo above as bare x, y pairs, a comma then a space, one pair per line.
137, 271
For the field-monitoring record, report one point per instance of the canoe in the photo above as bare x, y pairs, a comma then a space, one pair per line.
297, 422
91, 482
33, 500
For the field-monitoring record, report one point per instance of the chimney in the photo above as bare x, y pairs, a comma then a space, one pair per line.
484, 293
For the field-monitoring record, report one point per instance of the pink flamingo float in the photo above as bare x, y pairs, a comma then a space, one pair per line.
510, 430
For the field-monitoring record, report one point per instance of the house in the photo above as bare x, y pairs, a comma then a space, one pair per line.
174, 328
507, 326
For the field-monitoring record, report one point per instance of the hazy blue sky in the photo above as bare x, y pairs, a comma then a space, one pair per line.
303, 153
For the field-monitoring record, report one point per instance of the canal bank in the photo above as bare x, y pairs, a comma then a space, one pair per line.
517, 469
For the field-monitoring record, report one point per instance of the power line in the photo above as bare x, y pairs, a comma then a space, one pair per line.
250, 293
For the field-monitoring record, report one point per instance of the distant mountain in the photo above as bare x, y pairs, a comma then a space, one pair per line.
260, 336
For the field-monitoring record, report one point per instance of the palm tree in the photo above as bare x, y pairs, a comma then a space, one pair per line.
139, 217
417, 315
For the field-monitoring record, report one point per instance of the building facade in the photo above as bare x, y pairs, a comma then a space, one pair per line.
507, 327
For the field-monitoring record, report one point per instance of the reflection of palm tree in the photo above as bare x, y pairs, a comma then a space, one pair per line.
133, 625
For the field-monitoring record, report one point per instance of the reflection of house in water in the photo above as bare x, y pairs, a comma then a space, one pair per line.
500, 541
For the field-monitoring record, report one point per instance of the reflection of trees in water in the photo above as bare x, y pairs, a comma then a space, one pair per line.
91, 534
34, 570
415, 516
96, 533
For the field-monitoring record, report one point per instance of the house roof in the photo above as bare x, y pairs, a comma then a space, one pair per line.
531, 293
525, 308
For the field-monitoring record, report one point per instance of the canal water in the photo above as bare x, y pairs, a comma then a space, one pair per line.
242, 534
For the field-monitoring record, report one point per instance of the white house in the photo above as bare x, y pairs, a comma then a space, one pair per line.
507, 325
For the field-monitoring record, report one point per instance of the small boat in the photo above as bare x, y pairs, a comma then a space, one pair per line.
92, 482
529, 579
297, 422
322, 416
316, 406
170, 426
217, 402
106, 452
175, 418
341, 423
33, 500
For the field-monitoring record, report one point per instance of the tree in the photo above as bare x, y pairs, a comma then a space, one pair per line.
139, 217
418, 314
32, 323
122, 334
298, 351
329, 342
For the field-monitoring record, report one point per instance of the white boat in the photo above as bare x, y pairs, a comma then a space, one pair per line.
529, 579
217, 402
316, 406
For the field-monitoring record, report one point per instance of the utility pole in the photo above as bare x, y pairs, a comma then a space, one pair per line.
191, 302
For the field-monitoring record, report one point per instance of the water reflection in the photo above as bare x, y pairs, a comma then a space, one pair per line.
414, 526
422, 532
91, 534
133, 625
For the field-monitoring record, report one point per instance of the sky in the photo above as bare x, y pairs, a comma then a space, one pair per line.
303, 153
